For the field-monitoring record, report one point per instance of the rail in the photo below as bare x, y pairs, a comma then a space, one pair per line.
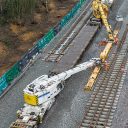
60, 49
103, 101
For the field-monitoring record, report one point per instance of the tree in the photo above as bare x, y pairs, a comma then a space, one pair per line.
18, 8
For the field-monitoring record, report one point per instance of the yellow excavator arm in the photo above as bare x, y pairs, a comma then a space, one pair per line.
100, 11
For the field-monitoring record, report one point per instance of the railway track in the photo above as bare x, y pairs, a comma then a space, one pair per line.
58, 51
103, 101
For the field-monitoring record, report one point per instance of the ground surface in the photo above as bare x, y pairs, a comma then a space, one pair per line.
15, 39
121, 117
68, 109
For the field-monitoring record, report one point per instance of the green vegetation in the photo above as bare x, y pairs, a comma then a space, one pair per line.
12, 9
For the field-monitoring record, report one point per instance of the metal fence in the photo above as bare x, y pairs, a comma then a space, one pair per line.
7, 78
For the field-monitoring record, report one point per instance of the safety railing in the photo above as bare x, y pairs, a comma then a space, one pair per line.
7, 78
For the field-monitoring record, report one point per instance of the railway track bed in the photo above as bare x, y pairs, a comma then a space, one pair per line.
55, 54
102, 104
74, 52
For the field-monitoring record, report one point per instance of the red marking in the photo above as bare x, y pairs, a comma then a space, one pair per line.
103, 43
116, 40
106, 66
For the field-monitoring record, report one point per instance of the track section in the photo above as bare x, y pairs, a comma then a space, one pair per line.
58, 51
76, 50
104, 99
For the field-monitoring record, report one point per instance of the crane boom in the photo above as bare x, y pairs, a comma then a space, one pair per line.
100, 11
43, 88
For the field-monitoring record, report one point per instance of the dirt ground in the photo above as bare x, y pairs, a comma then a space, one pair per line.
16, 39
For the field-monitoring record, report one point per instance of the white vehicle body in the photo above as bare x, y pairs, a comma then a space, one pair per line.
31, 112
43, 88
107, 2
30, 116
40, 95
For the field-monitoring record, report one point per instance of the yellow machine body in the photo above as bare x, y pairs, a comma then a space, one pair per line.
100, 11
103, 57
30, 99
104, 54
92, 79
98, 8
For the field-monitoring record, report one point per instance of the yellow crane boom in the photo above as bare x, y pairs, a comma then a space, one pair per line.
100, 11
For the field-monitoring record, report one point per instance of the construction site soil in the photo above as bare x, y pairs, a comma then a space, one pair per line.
16, 39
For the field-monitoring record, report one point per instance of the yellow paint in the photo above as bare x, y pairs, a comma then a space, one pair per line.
104, 54
92, 79
103, 57
100, 11
30, 99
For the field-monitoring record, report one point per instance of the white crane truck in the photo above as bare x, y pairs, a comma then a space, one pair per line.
39, 95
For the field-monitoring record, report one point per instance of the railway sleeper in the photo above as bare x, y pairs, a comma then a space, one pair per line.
92, 125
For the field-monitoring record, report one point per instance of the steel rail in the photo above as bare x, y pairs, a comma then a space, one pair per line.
57, 52
103, 101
